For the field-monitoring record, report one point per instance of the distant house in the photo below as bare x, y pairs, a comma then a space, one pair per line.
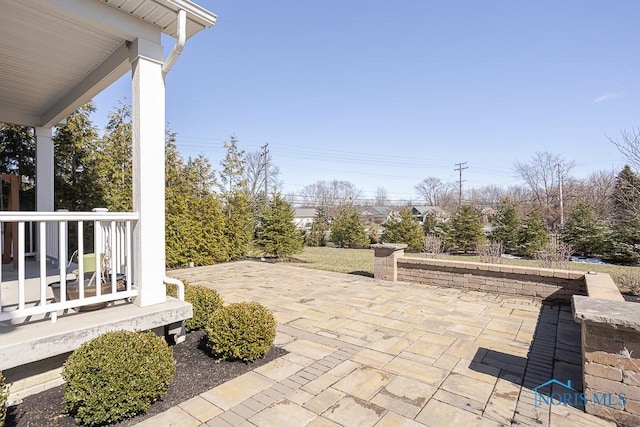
303, 217
376, 214
419, 212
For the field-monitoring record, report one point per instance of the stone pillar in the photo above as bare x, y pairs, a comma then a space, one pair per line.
611, 358
147, 122
385, 260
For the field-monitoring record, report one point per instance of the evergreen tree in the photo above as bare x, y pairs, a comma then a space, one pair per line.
277, 234
319, 228
114, 163
466, 228
239, 226
429, 223
583, 231
237, 208
194, 219
18, 157
532, 235
403, 228
76, 178
623, 241
346, 229
505, 225
232, 173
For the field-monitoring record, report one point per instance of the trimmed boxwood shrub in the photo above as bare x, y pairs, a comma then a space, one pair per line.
117, 376
204, 301
4, 396
240, 331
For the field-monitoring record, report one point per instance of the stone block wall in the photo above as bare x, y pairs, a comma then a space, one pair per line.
611, 357
544, 283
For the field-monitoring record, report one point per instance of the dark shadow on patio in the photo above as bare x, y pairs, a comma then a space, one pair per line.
554, 353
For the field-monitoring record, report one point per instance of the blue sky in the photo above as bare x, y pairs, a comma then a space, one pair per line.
384, 94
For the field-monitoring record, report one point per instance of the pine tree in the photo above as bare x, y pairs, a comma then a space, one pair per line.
237, 208
623, 242
76, 179
346, 229
277, 234
195, 223
583, 231
114, 163
403, 228
505, 225
317, 234
532, 235
239, 226
466, 228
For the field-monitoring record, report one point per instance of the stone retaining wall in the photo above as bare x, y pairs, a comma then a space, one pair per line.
547, 284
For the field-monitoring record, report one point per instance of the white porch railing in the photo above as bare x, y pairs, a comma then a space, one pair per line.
23, 295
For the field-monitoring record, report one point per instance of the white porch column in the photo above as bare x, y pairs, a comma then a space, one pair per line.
44, 170
148, 123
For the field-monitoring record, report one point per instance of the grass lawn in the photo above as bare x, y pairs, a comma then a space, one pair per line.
353, 261
360, 261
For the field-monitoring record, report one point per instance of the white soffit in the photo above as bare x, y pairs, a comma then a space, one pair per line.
52, 59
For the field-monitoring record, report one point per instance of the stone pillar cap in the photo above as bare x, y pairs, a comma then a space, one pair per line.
390, 245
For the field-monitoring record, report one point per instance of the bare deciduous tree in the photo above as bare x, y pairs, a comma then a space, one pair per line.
597, 190
435, 192
254, 164
543, 174
382, 197
330, 195
629, 145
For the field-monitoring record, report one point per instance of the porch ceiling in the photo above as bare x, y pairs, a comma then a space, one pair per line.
57, 54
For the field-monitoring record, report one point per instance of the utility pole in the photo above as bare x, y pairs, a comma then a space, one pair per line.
561, 201
460, 167
265, 155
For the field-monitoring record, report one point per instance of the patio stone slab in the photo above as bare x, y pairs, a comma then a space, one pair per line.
408, 368
283, 414
229, 394
200, 408
349, 409
309, 349
439, 414
392, 419
324, 400
363, 382
279, 369
174, 417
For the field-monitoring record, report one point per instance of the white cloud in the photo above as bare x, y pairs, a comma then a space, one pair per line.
607, 96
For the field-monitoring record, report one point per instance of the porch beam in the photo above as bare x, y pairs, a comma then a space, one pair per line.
148, 121
110, 70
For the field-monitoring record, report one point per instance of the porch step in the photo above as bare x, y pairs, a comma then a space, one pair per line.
33, 341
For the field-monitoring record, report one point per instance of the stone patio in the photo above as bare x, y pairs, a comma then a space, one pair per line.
367, 352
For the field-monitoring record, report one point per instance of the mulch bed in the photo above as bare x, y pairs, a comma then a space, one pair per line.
196, 372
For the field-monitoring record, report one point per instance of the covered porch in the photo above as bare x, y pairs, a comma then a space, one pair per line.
56, 56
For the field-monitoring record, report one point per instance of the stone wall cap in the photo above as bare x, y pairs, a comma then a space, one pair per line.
390, 245
617, 314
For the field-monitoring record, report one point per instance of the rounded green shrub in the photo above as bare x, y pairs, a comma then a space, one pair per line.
116, 376
4, 396
240, 331
204, 301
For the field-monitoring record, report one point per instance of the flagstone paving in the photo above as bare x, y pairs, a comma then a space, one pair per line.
372, 353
